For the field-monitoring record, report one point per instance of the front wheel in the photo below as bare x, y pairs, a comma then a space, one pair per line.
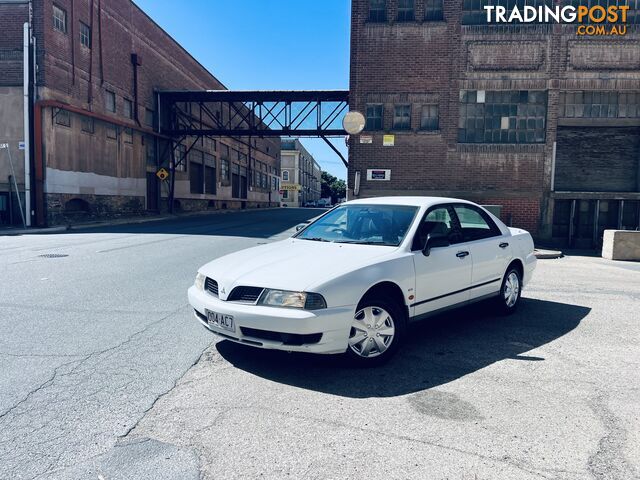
510, 292
377, 330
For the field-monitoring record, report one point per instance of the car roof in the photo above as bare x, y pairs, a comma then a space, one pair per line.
412, 201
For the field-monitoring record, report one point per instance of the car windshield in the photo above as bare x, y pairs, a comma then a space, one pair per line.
362, 224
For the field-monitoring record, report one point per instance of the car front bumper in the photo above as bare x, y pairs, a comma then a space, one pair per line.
327, 328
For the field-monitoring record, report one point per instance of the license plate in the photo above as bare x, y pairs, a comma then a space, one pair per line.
220, 320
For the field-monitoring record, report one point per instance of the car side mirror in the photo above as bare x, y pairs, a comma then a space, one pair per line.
435, 240
300, 226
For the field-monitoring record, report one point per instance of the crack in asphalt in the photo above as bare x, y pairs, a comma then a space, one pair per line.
609, 461
161, 395
72, 366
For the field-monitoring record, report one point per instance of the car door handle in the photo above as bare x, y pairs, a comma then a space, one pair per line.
503, 245
462, 254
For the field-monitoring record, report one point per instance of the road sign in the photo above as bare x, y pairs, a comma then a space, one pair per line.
21, 146
4, 145
162, 174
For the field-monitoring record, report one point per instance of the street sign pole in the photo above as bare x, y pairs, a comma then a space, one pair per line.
15, 183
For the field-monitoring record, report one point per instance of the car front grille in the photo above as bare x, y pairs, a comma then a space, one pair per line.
292, 339
245, 294
211, 286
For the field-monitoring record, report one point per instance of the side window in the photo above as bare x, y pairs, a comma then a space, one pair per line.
474, 224
437, 221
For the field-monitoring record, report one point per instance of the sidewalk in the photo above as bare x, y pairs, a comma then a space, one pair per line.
13, 231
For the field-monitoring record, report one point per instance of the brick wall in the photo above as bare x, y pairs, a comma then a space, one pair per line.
13, 17
431, 62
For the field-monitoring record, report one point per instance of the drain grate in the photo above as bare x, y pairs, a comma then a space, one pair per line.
53, 255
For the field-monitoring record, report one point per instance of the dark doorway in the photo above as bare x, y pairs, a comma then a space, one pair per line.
153, 190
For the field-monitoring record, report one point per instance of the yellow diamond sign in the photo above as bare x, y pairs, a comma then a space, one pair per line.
162, 174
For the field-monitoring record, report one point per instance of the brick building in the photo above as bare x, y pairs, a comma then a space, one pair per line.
532, 118
94, 144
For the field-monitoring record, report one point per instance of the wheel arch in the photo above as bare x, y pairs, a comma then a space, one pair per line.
386, 289
518, 264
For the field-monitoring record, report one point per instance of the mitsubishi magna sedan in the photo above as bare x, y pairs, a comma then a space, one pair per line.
350, 281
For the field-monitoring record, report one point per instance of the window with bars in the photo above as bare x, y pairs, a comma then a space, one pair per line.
473, 12
402, 117
406, 11
59, 19
433, 11
599, 104
85, 35
374, 117
502, 116
429, 118
377, 10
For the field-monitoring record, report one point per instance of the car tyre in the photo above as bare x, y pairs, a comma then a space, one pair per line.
377, 331
510, 292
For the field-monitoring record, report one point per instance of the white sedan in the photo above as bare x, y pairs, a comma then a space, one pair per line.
351, 280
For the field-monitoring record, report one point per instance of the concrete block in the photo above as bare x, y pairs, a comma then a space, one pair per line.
621, 245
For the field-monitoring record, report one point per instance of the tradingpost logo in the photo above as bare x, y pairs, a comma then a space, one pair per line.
593, 20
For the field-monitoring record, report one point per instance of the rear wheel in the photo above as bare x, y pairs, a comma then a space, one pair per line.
377, 330
510, 292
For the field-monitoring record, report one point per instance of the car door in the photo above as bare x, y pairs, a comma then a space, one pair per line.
489, 249
442, 277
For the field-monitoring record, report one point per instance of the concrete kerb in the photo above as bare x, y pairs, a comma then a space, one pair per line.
122, 221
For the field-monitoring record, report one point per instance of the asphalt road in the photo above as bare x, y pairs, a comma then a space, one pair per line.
106, 375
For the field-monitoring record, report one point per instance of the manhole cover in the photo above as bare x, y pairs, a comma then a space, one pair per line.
53, 255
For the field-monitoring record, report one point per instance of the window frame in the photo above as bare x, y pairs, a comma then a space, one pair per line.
127, 109
86, 120
434, 11
378, 14
110, 127
406, 14
503, 117
127, 135
85, 36
56, 20
108, 95
494, 230
455, 230
401, 127
285, 173
437, 117
57, 118
374, 128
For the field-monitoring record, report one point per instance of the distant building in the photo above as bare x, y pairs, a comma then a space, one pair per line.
95, 151
301, 175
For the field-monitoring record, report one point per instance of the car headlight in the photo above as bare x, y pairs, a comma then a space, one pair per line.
287, 299
200, 279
